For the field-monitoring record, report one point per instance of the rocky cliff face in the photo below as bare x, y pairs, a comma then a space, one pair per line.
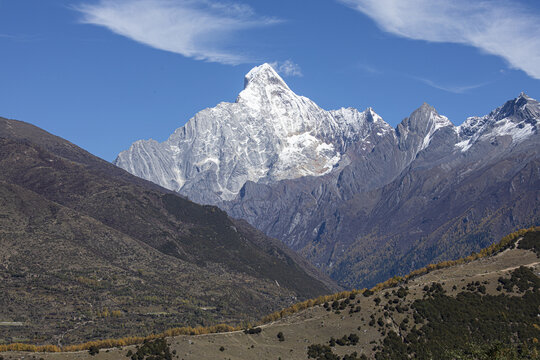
358, 198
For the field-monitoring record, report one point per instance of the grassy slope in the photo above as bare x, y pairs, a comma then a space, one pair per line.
316, 325
81, 238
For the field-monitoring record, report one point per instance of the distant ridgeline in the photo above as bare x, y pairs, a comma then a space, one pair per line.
479, 313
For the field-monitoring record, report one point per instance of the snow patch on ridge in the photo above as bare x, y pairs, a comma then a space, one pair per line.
505, 127
517, 118
438, 122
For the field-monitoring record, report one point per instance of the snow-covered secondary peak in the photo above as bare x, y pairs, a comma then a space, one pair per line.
269, 134
372, 116
425, 120
520, 108
517, 118
418, 129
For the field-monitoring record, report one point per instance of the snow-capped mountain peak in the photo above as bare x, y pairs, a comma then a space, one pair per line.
269, 134
517, 118
263, 88
372, 116
264, 75
425, 120
416, 132
520, 108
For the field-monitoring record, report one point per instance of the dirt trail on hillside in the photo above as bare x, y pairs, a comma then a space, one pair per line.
515, 267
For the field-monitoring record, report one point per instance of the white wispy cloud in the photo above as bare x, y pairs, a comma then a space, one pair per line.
199, 29
368, 69
456, 89
287, 68
19, 37
499, 27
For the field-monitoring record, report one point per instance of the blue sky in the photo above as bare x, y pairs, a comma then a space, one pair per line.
104, 73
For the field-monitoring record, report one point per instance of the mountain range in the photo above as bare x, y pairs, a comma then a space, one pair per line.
359, 199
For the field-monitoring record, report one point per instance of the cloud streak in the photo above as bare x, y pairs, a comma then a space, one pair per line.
498, 27
287, 68
369, 69
198, 29
449, 88
19, 37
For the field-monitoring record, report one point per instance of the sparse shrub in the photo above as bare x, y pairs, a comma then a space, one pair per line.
342, 341
402, 292
523, 278
253, 331
353, 356
332, 341
353, 339
93, 350
531, 241
157, 349
321, 352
